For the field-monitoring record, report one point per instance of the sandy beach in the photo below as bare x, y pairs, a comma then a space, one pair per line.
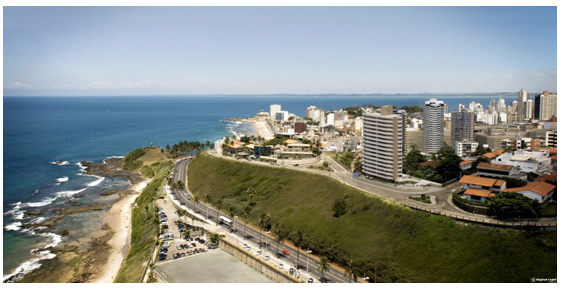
263, 130
119, 218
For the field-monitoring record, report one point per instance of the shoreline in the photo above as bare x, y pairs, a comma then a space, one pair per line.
119, 220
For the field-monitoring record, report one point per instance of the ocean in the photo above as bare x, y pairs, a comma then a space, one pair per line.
45, 138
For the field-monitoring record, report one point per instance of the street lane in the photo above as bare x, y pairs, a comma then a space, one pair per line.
253, 234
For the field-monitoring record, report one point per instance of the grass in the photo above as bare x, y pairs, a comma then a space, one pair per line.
147, 171
403, 245
549, 210
418, 198
152, 155
144, 226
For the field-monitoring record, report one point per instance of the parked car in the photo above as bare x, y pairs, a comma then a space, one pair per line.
281, 266
162, 257
267, 257
310, 280
166, 244
285, 251
291, 271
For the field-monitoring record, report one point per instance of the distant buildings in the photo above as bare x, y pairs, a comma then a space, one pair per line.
433, 115
465, 148
383, 144
317, 115
273, 109
522, 98
551, 138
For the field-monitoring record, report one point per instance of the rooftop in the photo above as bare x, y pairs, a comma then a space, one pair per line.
551, 177
490, 166
479, 192
541, 188
466, 162
481, 181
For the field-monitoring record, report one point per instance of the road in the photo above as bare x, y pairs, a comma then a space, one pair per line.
253, 235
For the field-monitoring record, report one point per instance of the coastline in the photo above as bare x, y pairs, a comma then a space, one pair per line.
118, 218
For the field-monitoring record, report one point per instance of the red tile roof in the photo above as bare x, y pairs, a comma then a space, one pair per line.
541, 188
551, 177
431, 164
481, 181
490, 166
466, 162
479, 192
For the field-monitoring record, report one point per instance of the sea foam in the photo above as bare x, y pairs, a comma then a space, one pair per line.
61, 163
62, 179
13, 226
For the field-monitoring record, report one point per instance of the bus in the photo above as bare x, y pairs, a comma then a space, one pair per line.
226, 221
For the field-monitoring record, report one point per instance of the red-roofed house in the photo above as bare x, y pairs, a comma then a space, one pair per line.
496, 170
541, 191
479, 195
466, 164
474, 182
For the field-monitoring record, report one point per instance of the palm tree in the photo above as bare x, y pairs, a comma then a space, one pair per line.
297, 239
263, 222
280, 236
246, 214
323, 266
231, 213
218, 205
251, 192
352, 270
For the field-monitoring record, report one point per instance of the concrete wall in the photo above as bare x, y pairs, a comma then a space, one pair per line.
269, 269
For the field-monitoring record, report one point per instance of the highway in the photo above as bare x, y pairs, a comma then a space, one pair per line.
253, 236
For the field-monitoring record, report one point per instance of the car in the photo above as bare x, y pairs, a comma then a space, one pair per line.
310, 280
175, 256
201, 241
248, 248
162, 257
183, 254
258, 252
267, 257
291, 271
245, 245
178, 247
166, 244
281, 266
285, 251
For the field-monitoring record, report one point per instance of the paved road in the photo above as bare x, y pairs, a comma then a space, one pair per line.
252, 234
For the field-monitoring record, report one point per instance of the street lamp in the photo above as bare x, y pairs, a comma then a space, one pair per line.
307, 252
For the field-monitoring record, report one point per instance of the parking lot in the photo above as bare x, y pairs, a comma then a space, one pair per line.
176, 245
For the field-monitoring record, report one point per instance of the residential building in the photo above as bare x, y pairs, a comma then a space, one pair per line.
433, 116
383, 146
480, 188
465, 148
330, 119
466, 164
414, 136
273, 109
300, 127
545, 106
526, 161
541, 191
522, 98
296, 150
551, 139
497, 170
462, 127
316, 114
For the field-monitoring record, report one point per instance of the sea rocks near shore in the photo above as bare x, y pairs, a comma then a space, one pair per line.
111, 168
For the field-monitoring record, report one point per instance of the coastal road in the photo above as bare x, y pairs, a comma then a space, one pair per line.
253, 234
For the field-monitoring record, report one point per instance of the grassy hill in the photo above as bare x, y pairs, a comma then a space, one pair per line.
403, 245
145, 216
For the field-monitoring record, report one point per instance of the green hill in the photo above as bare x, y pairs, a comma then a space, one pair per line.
403, 245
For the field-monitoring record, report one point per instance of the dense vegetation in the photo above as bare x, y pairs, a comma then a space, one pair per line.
131, 162
186, 147
144, 225
447, 169
400, 244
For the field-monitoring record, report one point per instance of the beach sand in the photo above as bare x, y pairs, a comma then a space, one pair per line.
119, 220
263, 130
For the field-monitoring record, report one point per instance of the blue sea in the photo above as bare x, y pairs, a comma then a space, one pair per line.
41, 131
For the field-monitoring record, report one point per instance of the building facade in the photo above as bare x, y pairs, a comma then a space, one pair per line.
383, 145
433, 116
462, 127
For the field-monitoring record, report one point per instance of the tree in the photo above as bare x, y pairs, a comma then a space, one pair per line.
297, 239
523, 145
263, 222
231, 213
352, 270
246, 214
478, 161
479, 150
340, 207
323, 266
218, 205
514, 205
215, 238
412, 161
449, 163
251, 193
280, 236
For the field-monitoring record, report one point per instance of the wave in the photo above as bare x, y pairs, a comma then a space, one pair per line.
37, 221
68, 193
33, 264
44, 202
13, 226
16, 212
60, 163
82, 168
100, 179
113, 157
62, 179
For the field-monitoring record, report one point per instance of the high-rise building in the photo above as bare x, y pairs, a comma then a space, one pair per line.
528, 109
273, 109
551, 139
462, 126
545, 106
433, 126
383, 144
522, 98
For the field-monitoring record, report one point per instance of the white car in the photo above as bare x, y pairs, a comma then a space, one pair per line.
281, 266
267, 257
166, 244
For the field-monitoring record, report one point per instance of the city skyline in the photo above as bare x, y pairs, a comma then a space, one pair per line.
67, 51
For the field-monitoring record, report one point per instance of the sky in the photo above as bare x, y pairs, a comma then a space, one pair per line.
69, 51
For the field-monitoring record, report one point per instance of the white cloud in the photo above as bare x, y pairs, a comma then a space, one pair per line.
17, 85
